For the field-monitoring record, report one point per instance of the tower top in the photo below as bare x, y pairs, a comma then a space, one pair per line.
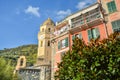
48, 22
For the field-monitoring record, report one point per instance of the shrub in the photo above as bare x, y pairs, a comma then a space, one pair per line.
97, 60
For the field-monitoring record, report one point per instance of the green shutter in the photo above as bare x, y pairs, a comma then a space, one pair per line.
66, 42
111, 6
73, 37
97, 33
89, 35
93, 31
59, 44
113, 25
119, 23
116, 25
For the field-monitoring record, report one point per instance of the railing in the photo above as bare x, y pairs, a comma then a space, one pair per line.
62, 30
93, 17
87, 19
78, 23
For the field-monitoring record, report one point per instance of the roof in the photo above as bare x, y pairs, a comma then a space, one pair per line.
84, 10
48, 22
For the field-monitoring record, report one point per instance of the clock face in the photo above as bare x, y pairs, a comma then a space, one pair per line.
41, 37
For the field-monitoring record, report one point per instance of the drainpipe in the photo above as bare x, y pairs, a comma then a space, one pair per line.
106, 29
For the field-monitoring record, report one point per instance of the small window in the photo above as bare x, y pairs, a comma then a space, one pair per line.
63, 43
73, 37
41, 44
21, 62
79, 35
49, 29
48, 43
66, 42
59, 45
111, 7
42, 29
116, 26
93, 33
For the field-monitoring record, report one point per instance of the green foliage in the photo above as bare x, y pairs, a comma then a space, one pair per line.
98, 60
30, 51
6, 70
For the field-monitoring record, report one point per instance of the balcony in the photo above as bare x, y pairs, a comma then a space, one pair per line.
86, 20
78, 25
94, 19
62, 31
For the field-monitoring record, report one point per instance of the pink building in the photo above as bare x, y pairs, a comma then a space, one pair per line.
98, 20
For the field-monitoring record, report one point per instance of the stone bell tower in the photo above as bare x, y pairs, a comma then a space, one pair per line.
44, 46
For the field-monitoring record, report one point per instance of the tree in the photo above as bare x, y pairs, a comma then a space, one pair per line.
6, 70
96, 60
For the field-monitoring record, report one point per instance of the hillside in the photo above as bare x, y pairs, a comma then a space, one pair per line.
30, 51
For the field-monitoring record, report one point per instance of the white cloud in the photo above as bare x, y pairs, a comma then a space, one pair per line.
33, 10
61, 14
84, 3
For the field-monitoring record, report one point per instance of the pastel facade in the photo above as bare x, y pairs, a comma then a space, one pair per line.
44, 48
98, 20
42, 69
112, 14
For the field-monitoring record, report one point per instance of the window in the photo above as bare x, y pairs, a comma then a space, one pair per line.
111, 6
59, 45
42, 29
41, 44
116, 26
79, 35
73, 37
66, 42
48, 43
48, 29
21, 62
93, 33
63, 43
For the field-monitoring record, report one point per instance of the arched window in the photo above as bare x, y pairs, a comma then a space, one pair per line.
21, 62
48, 29
48, 43
42, 29
41, 43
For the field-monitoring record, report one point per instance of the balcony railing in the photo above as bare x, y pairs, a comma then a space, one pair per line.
61, 31
87, 19
78, 23
93, 17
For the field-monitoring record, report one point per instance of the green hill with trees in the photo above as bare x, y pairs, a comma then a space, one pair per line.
12, 54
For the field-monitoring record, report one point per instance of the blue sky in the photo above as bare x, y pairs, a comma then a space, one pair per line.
20, 20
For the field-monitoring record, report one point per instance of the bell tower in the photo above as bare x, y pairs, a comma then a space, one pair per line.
44, 45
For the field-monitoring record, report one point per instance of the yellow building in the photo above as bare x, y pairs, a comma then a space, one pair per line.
44, 46
42, 69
